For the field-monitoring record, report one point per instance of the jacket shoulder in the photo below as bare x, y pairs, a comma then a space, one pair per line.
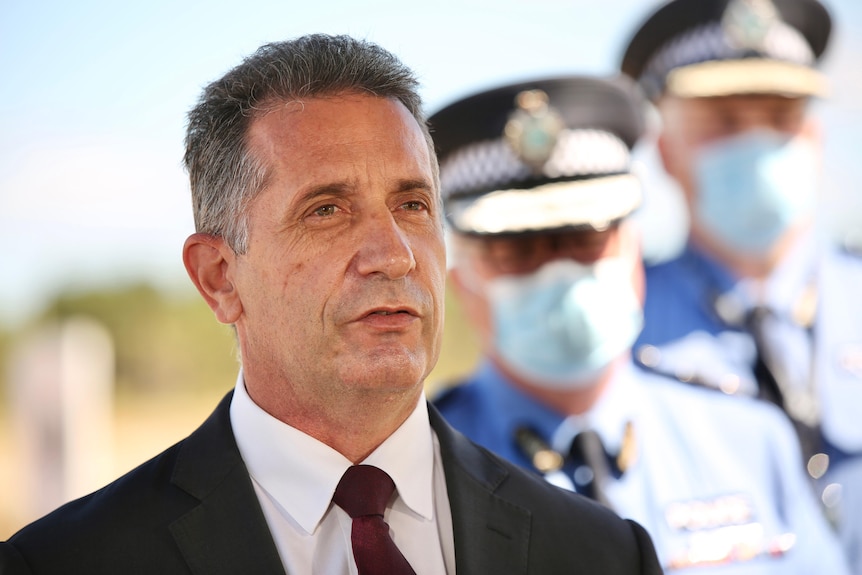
560, 517
566, 532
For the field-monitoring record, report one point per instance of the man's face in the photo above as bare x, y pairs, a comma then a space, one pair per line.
525, 253
689, 124
481, 260
341, 287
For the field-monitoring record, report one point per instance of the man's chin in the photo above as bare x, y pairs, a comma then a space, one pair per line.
389, 371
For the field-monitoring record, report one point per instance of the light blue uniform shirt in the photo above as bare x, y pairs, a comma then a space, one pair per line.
690, 340
716, 481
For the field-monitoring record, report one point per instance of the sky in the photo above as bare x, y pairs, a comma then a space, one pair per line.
94, 96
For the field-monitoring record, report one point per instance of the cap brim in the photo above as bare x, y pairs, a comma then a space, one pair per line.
591, 203
746, 76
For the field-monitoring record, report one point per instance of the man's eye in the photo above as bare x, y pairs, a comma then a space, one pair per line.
325, 210
416, 206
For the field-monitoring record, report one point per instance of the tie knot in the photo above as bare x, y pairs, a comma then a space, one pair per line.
364, 490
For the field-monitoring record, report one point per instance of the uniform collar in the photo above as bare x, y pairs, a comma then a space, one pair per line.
781, 290
277, 457
511, 408
791, 277
715, 277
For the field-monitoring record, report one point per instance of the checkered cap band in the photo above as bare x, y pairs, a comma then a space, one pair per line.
493, 164
710, 42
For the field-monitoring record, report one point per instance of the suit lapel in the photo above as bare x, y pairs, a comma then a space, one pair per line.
227, 531
492, 535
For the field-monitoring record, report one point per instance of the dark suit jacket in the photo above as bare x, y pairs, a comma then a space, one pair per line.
192, 509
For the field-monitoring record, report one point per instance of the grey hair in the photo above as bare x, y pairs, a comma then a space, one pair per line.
224, 175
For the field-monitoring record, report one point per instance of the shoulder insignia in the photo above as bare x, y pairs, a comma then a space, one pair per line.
852, 244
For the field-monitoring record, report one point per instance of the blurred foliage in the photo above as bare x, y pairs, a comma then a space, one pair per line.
162, 341
460, 349
171, 342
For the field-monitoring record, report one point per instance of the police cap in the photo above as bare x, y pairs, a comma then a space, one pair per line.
543, 155
703, 48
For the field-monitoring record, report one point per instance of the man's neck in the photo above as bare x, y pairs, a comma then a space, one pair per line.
742, 265
354, 424
570, 401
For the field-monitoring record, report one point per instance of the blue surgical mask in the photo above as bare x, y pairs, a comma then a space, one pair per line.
562, 325
751, 188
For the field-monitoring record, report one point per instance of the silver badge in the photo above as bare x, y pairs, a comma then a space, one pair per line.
533, 128
747, 23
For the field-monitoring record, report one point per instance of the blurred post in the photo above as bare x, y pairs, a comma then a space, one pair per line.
62, 379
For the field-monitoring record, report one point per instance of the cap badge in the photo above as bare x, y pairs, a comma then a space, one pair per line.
533, 128
747, 23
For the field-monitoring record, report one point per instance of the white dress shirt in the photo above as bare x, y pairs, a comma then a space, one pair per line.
295, 475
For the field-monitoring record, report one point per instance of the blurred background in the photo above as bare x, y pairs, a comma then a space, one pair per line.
107, 354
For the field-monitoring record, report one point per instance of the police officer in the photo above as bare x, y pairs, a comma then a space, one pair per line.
537, 188
754, 304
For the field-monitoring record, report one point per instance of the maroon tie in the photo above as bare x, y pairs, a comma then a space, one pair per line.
363, 492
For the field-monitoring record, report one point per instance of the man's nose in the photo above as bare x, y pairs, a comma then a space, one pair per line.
384, 248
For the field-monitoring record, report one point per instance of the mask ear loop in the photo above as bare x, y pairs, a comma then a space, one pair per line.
629, 254
631, 248
464, 274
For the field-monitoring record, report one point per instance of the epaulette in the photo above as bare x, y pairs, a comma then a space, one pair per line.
643, 360
851, 244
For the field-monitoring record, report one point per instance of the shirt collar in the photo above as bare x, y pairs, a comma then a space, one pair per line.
617, 406
408, 457
792, 276
277, 457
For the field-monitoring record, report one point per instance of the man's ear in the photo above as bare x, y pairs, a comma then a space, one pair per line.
210, 264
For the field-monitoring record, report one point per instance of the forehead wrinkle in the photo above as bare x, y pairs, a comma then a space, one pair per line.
379, 161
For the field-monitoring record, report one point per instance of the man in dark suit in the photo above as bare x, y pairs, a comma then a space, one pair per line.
320, 239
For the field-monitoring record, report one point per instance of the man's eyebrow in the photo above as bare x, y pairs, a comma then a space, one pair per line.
333, 189
344, 189
405, 185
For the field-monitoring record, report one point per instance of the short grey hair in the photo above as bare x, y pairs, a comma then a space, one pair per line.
224, 175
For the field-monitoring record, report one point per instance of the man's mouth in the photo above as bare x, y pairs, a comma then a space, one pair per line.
392, 312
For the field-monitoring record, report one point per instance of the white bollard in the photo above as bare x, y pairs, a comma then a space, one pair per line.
62, 382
